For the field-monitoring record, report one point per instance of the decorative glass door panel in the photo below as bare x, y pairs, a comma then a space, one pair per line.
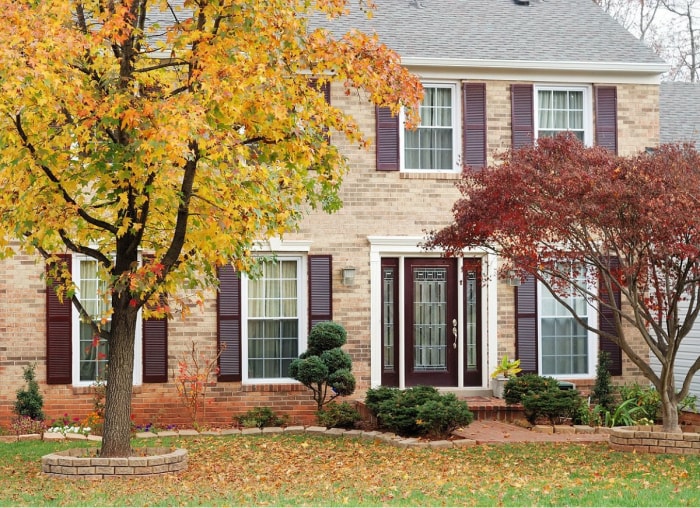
431, 327
472, 322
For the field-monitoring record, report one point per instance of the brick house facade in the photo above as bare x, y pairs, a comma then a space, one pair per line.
412, 317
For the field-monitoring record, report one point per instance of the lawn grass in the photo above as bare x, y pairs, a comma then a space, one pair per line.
285, 470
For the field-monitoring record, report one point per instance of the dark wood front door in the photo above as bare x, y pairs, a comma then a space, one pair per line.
431, 322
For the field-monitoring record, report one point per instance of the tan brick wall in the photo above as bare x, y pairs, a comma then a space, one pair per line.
375, 203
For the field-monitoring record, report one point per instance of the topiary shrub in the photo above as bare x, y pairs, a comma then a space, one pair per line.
29, 401
418, 411
516, 387
556, 405
324, 367
341, 415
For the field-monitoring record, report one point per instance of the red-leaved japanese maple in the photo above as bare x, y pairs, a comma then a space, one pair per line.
559, 210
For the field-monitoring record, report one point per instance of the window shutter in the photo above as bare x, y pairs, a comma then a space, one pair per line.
606, 117
320, 289
606, 323
522, 115
59, 340
474, 132
325, 88
526, 324
387, 140
229, 324
155, 347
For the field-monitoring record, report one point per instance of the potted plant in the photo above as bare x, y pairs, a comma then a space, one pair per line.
502, 373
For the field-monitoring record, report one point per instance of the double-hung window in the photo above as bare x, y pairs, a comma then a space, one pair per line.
275, 321
90, 351
432, 145
95, 300
567, 348
560, 109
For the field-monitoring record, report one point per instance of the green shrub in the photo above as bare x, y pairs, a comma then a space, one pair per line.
376, 396
341, 415
418, 411
261, 417
517, 387
440, 417
556, 405
29, 401
602, 393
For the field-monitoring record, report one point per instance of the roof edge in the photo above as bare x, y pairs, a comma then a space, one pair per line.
622, 67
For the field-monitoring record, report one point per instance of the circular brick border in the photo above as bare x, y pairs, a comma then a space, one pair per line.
76, 463
652, 439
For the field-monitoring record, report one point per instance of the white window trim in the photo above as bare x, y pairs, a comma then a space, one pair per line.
456, 132
587, 108
75, 334
592, 337
302, 277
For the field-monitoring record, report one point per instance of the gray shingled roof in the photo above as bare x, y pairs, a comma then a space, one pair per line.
679, 112
544, 31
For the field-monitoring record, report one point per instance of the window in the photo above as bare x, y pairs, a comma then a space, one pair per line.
431, 147
566, 347
560, 109
92, 349
274, 319
89, 351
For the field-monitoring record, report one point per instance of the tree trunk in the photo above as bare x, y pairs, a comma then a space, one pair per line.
669, 409
116, 438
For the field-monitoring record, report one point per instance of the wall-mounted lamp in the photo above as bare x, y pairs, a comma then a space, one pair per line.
513, 278
348, 276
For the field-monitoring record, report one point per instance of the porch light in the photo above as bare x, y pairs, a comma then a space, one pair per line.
348, 276
513, 278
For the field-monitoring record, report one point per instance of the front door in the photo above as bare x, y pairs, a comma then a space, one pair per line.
431, 322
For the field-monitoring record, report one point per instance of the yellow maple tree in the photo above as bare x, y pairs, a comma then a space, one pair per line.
185, 129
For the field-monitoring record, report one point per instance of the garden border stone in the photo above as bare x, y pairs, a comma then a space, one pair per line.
652, 439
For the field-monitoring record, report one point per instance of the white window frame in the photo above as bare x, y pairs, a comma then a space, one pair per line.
587, 107
76, 259
302, 312
456, 132
592, 337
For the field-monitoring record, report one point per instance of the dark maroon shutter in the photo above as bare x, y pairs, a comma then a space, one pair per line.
606, 117
606, 323
474, 132
155, 347
320, 289
526, 324
59, 339
522, 115
387, 140
229, 324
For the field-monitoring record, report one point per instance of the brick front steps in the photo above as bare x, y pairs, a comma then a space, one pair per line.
652, 439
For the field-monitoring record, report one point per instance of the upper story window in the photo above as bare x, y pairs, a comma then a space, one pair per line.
433, 145
275, 321
560, 109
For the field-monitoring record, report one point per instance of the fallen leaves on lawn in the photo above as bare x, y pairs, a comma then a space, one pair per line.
312, 470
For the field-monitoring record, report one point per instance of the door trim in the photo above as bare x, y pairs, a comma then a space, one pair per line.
410, 246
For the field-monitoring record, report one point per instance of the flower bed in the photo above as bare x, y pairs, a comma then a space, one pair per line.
652, 439
78, 462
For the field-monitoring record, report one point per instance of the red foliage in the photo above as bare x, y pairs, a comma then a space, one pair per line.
558, 205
